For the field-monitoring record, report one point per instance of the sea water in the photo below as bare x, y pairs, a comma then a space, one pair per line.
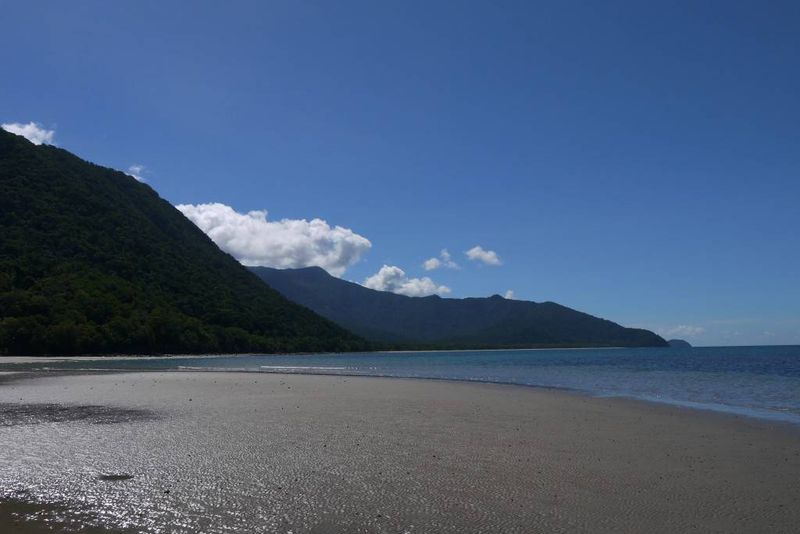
755, 381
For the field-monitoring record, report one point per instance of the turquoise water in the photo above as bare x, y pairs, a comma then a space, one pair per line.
756, 381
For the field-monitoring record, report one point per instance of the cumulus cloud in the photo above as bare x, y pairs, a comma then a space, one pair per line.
488, 257
444, 260
394, 279
509, 295
683, 330
32, 131
136, 171
287, 243
431, 264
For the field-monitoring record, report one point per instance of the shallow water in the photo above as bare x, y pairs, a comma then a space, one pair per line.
756, 381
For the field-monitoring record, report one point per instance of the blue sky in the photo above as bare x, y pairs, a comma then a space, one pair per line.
636, 160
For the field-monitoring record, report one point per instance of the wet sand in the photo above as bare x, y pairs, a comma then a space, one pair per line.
243, 452
20, 517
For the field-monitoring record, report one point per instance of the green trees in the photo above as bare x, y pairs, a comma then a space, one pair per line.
92, 261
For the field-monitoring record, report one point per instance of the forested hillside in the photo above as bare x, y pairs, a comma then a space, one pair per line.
92, 261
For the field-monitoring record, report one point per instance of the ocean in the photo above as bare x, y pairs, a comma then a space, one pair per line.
761, 382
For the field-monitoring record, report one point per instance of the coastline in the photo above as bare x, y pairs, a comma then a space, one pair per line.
110, 357
716, 401
356, 452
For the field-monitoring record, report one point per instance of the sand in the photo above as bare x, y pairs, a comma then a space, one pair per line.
244, 452
20, 517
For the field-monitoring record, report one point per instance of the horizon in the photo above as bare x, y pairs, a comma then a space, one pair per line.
633, 162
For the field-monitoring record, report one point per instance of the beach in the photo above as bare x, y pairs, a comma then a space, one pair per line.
254, 452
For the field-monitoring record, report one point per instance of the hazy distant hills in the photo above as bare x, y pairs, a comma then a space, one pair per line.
92, 261
435, 321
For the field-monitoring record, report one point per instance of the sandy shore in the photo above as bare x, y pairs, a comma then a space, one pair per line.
19, 517
238, 452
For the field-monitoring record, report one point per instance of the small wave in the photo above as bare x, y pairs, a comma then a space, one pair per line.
301, 368
216, 369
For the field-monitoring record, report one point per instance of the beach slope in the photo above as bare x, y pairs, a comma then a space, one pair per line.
253, 452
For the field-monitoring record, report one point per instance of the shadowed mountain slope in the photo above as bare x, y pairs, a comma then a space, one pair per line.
434, 321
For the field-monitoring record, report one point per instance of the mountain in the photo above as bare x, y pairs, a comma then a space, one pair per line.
681, 343
438, 322
92, 261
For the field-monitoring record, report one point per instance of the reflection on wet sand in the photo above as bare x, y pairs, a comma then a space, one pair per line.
31, 414
20, 517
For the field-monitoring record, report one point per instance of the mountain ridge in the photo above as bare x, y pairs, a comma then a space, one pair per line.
434, 321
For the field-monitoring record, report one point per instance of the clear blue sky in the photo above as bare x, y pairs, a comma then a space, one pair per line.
636, 160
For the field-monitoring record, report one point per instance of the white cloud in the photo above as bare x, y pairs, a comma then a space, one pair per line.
509, 295
136, 171
444, 260
394, 279
431, 263
488, 257
683, 330
32, 131
288, 243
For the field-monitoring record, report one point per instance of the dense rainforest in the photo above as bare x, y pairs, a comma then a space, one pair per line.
93, 261
399, 321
